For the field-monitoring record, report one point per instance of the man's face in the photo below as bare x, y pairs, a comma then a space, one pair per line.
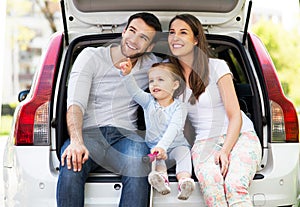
137, 39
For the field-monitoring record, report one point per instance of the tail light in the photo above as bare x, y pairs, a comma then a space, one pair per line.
285, 126
41, 125
32, 118
277, 125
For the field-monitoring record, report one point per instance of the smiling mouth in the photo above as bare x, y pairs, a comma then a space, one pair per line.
131, 47
175, 46
156, 90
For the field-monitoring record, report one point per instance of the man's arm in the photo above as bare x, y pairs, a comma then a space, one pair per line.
76, 153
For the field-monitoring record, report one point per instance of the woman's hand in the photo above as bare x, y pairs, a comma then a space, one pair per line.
126, 66
161, 153
221, 158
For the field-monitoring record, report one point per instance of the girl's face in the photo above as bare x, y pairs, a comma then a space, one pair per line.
162, 84
181, 39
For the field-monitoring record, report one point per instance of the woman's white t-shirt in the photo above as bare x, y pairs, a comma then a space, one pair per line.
208, 115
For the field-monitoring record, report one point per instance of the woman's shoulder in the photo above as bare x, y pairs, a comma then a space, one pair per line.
215, 62
218, 67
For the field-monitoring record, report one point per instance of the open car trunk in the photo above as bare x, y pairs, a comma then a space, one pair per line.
223, 47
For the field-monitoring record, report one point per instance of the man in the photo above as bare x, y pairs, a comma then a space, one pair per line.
101, 116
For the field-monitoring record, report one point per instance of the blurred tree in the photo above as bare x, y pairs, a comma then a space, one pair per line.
23, 7
284, 49
20, 8
25, 34
48, 8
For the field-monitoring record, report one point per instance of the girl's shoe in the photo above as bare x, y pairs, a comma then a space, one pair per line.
159, 183
186, 186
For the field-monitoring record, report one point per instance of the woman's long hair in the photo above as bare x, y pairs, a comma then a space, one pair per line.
199, 77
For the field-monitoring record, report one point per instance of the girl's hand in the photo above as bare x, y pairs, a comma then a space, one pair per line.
221, 158
161, 153
126, 67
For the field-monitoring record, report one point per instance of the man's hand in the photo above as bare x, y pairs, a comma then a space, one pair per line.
161, 153
76, 155
126, 66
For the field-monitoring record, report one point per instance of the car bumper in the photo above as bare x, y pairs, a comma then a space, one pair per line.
280, 185
31, 180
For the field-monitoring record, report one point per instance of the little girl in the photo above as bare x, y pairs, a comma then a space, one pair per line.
165, 117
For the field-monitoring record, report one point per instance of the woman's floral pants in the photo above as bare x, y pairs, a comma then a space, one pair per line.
231, 190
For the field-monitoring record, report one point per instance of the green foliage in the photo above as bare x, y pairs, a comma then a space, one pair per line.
25, 35
13, 104
284, 49
6, 109
6, 124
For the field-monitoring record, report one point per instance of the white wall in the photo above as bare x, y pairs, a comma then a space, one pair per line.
11, 82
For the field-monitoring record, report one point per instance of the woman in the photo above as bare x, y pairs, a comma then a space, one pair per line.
226, 151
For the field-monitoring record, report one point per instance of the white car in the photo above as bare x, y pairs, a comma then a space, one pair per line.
31, 160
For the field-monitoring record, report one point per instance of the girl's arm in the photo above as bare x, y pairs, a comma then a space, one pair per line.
126, 67
175, 125
140, 96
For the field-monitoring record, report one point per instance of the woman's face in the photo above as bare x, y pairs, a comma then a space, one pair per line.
181, 39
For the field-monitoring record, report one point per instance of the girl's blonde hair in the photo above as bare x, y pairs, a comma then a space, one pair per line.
176, 75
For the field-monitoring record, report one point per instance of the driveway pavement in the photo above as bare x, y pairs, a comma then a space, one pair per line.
2, 144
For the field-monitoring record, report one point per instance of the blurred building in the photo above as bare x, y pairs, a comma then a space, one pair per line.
27, 34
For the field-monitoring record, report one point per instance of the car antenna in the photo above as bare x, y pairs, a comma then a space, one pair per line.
247, 22
63, 12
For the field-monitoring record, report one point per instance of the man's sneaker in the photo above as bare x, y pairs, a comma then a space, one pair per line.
186, 187
159, 183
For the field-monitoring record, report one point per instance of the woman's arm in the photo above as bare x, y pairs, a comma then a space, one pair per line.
233, 112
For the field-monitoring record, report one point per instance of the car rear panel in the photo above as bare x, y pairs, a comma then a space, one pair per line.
31, 171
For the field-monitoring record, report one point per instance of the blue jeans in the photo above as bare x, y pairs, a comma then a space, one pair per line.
122, 153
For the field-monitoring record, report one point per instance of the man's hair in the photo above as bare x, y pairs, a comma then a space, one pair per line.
150, 19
